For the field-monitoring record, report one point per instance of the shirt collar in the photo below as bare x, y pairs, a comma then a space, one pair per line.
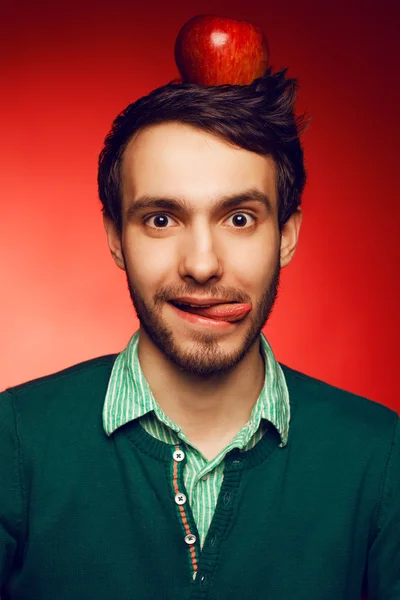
129, 396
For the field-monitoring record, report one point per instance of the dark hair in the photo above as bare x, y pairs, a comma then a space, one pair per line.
258, 117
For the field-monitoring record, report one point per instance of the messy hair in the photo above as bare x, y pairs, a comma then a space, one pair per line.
258, 117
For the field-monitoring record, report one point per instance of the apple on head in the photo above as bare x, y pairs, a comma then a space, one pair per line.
211, 50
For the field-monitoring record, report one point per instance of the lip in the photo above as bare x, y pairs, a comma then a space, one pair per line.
202, 321
201, 301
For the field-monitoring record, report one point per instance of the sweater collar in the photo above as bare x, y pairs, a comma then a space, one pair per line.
129, 396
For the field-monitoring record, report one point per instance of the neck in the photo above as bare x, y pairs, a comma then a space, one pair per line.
210, 411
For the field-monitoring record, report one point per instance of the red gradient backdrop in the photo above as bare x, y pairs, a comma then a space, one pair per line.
68, 68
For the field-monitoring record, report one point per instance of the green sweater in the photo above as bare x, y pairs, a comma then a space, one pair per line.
84, 516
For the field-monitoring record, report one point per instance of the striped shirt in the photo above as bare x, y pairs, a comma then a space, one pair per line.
129, 397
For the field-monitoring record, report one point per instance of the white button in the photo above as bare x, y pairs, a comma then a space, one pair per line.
178, 455
190, 539
205, 477
180, 498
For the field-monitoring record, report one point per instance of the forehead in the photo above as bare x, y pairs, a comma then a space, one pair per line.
180, 160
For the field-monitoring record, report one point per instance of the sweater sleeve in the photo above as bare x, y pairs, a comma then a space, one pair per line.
383, 570
11, 497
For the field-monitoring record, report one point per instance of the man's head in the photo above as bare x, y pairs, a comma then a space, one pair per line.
201, 190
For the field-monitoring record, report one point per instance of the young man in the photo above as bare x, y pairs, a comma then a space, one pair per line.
193, 464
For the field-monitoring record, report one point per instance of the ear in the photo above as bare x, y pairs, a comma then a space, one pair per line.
290, 236
114, 242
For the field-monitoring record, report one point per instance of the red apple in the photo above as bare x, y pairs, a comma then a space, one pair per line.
211, 50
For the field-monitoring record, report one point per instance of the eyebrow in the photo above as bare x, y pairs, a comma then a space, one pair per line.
179, 204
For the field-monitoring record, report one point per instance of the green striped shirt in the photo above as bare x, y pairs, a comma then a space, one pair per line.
129, 397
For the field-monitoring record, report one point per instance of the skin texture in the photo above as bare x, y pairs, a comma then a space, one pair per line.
206, 380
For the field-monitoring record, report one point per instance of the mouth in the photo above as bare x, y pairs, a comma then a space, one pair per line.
223, 312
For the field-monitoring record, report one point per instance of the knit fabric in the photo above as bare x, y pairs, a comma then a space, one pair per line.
86, 515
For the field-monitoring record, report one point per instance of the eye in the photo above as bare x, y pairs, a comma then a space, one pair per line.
160, 221
241, 220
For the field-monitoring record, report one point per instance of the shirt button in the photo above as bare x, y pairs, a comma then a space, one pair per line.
180, 498
190, 539
205, 477
178, 455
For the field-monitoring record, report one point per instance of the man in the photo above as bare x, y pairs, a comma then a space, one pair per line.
193, 464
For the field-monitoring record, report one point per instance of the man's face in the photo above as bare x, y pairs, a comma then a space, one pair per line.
196, 249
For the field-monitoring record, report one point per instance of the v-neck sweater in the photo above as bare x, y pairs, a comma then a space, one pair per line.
86, 515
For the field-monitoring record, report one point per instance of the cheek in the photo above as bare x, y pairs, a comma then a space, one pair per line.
253, 275
148, 264
253, 265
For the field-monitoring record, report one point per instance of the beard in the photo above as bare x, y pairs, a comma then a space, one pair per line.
205, 358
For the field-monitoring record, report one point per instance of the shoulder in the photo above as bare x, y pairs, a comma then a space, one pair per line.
85, 380
334, 408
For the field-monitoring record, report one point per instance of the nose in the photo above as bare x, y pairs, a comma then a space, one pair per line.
199, 260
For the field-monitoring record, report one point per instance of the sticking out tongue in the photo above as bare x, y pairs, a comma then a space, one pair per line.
221, 312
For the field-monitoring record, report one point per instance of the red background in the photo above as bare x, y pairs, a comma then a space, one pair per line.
68, 68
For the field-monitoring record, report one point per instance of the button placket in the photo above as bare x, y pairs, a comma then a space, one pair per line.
183, 510
222, 519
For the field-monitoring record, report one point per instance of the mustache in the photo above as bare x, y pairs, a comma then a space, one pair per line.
167, 293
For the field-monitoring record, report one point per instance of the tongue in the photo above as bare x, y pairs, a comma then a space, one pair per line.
221, 312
